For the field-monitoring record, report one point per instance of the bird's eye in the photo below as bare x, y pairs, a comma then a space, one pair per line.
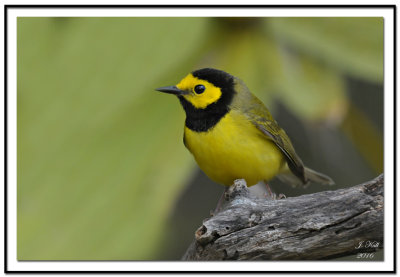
199, 89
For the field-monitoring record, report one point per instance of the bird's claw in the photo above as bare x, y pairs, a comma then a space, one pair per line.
281, 196
273, 196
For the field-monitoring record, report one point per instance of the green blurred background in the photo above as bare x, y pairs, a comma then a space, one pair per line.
102, 170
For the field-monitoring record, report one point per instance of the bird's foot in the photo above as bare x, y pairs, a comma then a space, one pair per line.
281, 196
271, 195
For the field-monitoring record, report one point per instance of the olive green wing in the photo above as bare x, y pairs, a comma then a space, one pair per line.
272, 131
258, 114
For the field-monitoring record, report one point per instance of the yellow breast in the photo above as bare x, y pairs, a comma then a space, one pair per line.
234, 149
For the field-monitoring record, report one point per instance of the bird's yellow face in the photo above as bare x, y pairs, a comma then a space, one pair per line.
200, 93
205, 95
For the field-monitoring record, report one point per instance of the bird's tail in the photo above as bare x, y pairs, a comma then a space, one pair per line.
310, 175
317, 177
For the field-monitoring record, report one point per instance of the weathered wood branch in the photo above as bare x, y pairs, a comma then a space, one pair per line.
317, 226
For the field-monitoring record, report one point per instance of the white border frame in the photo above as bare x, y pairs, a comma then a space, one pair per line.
387, 265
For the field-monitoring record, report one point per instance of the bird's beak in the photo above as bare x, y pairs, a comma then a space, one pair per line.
172, 90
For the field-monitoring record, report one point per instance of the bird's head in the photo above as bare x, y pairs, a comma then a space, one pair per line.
203, 89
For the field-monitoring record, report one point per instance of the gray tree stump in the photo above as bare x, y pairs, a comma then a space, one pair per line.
317, 226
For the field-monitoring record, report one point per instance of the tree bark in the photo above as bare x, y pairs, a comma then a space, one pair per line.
317, 226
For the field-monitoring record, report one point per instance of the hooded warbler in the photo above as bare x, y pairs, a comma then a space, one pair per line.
232, 135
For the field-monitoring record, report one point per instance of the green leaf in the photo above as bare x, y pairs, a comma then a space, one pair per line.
365, 137
95, 141
310, 90
353, 45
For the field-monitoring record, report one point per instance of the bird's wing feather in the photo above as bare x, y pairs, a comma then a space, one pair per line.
258, 114
273, 132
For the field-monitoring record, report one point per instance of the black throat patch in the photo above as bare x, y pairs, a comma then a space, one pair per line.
202, 120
